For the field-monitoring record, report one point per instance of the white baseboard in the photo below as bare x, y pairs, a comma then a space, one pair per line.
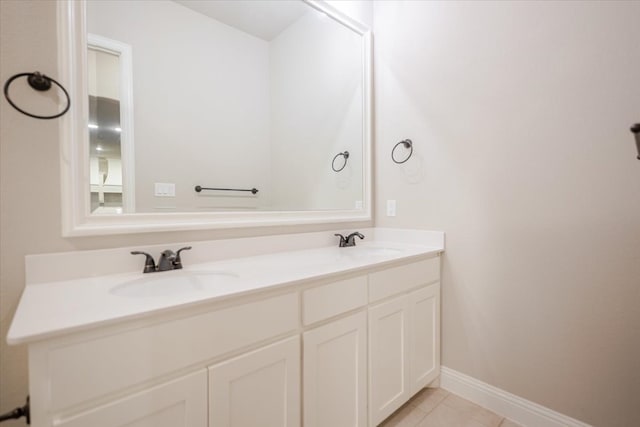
517, 409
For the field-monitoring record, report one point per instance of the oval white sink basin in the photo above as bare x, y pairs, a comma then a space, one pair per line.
365, 251
173, 283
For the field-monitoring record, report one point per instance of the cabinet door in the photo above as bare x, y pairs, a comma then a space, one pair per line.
181, 402
335, 374
260, 388
424, 336
388, 348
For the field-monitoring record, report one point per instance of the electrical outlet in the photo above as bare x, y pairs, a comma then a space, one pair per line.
391, 208
358, 204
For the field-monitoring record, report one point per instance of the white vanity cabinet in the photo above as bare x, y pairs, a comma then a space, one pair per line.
335, 373
404, 335
178, 403
94, 371
340, 351
260, 388
335, 354
424, 337
388, 357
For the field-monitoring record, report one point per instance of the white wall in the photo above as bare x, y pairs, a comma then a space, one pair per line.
30, 186
314, 119
359, 10
103, 74
201, 104
520, 115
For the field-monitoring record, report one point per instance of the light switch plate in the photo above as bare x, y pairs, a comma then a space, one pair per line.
391, 208
358, 204
163, 189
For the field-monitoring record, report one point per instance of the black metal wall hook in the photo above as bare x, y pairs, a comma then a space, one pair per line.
635, 129
17, 413
407, 143
344, 154
41, 83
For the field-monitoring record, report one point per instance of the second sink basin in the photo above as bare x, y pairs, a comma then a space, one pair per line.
173, 283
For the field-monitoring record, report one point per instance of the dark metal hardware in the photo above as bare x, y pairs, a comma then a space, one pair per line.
635, 129
177, 263
17, 413
350, 240
407, 143
344, 154
149, 263
199, 189
169, 260
166, 261
41, 83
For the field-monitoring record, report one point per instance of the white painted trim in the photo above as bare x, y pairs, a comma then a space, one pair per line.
74, 156
338, 16
127, 151
515, 408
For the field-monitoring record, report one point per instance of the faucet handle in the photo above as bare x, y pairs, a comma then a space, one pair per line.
177, 263
343, 240
351, 238
149, 263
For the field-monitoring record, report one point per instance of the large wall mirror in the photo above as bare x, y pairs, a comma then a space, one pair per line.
203, 114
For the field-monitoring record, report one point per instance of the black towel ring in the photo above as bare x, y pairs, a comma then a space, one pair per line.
41, 83
344, 154
407, 144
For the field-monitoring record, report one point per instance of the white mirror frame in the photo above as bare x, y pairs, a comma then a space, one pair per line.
74, 150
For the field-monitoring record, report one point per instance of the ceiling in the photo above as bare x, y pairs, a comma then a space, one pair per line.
264, 19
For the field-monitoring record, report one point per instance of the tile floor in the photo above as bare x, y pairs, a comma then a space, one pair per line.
435, 407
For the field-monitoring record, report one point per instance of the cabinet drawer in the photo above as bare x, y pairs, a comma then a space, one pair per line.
401, 279
85, 370
333, 299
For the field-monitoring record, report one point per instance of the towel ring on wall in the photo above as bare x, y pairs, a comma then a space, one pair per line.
344, 154
407, 144
41, 83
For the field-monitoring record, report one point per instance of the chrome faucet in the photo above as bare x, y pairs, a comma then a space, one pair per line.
169, 260
350, 240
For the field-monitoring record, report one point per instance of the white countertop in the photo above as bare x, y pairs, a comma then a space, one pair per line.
60, 307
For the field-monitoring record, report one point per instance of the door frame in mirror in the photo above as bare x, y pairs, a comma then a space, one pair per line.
125, 75
74, 150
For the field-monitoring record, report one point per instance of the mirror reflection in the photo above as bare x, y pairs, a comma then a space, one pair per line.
105, 159
230, 95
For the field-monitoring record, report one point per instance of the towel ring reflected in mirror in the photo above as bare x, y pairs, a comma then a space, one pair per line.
407, 143
344, 154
